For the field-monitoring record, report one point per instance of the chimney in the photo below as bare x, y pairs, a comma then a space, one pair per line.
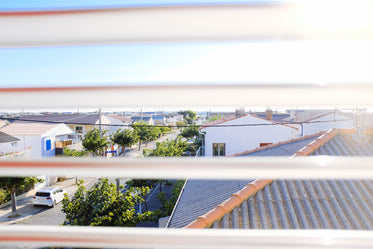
240, 112
269, 115
292, 114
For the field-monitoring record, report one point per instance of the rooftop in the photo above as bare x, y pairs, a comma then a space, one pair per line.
5, 138
301, 204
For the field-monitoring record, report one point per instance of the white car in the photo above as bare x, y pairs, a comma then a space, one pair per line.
48, 196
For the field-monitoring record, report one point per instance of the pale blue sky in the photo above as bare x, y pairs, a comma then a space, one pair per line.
315, 62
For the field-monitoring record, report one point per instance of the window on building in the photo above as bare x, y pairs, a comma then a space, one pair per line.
79, 129
218, 149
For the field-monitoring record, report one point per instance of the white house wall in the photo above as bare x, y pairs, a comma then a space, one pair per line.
30, 142
326, 123
241, 138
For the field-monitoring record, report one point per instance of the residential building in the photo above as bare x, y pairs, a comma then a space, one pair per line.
7, 144
286, 204
237, 133
81, 123
312, 121
159, 120
40, 138
146, 119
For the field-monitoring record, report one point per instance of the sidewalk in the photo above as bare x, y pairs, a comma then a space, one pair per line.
24, 202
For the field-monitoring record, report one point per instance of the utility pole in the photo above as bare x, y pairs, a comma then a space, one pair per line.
99, 122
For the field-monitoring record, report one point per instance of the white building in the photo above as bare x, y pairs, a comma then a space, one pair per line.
312, 121
235, 134
39, 138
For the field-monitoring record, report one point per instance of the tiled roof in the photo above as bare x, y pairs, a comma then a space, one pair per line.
23, 129
121, 118
203, 195
200, 196
74, 118
5, 138
286, 148
230, 118
303, 204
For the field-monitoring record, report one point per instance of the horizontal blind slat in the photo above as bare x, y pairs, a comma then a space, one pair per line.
187, 95
270, 21
321, 167
98, 237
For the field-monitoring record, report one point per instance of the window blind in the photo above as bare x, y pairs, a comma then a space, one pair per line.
187, 24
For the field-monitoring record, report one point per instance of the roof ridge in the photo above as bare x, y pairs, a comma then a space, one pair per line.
318, 142
277, 144
220, 210
220, 121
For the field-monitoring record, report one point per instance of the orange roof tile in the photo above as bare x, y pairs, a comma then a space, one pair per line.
220, 210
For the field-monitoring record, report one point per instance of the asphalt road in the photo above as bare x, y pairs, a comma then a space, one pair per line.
43, 215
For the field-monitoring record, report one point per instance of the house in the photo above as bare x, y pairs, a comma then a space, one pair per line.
81, 123
146, 119
117, 122
40, 138
159, 120
249, 132
312, 121
289, 204
7, 144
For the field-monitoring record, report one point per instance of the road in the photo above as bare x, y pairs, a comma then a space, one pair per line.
43, 215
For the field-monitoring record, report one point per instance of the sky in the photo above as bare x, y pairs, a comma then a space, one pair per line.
294, 62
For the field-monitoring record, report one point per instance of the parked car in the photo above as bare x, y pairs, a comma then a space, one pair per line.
48, 196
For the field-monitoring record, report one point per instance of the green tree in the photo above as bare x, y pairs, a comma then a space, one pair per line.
190, 132
125, 138
12, 184
142, 129
93, 142
74, 153
180, 124
168, 148
155, 133
168, 204
102, 205
189, 116
217, 117
164, 129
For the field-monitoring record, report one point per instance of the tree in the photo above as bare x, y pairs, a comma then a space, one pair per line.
217, 117
168, 204
180, 124
102, 205
189, 116
164, 129
74, 153
167, 148
125, 138
154, 133
12, 184
93, 142
142, 129
190, 132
